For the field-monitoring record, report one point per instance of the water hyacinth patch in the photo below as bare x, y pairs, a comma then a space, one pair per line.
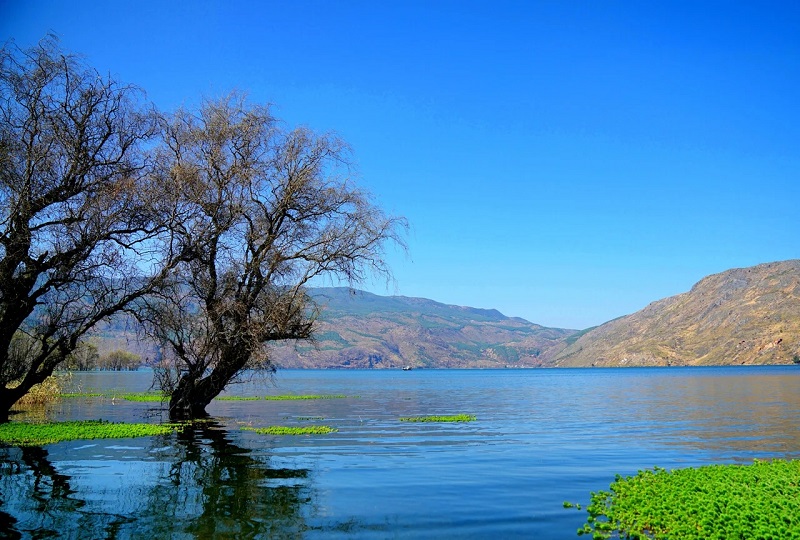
127, 396
143, 396
289, 397
289, 430
25, 434
452, 418
721, 502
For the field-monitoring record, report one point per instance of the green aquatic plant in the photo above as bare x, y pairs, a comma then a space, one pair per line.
68, 395
452, 418
237, 398
720, 502
127, 396
142, 396
293, 430
289, 397
28, 434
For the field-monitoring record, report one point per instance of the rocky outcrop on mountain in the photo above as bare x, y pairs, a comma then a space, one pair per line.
741, 316
357, 329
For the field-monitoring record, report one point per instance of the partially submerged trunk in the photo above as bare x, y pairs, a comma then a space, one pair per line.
195, 390
8, 397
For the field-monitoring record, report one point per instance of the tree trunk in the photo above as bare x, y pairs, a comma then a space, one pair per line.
8, 397
194, 392
188, 400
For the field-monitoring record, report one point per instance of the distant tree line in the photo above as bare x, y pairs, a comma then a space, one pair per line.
204, 224
86, 357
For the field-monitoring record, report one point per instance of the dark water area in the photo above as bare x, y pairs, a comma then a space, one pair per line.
541, 437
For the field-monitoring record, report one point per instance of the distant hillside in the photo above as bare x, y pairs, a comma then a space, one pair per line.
741, 316
357, 329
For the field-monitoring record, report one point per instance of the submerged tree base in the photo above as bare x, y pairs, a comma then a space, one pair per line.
722, 502
26, 434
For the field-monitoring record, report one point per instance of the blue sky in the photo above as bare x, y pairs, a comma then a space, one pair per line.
563, 161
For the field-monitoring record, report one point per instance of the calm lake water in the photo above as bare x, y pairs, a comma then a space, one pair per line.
541, 437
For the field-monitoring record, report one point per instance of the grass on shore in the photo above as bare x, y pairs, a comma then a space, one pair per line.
292, 430
719, 502
452, 418
30, 434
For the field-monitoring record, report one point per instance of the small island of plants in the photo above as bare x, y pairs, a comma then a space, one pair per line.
434, 418
38, 434
292, 430
722, 502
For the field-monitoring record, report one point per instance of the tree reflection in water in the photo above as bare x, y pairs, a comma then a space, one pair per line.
206, 486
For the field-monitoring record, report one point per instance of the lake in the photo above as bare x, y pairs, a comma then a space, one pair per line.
541, 437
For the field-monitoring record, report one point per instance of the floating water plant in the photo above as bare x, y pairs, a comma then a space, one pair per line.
142, 396
311, 396
453, 418
290, 430
237, 398
127, 396
25, 434
722, 502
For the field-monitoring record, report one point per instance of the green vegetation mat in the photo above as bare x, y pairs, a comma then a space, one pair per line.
158, 397
143, 396
723, 502
287, 430
453, 418
128, 396
311, 396
24, 434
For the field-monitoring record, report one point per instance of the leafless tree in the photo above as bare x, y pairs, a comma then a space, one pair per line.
267, 209
78, 240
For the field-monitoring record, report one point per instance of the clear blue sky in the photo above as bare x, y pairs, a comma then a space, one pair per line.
563, 161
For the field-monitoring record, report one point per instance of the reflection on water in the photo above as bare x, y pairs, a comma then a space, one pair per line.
715, 410
196, 484
541, 437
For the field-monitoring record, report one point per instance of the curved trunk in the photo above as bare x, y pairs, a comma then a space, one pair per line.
8, 397
194, 392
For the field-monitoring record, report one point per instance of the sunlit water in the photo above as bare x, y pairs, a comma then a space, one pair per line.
541, 437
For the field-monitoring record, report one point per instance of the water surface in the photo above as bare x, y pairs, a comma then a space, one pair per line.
541, 437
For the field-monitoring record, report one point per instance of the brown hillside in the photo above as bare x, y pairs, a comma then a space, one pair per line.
357, 329
741, 316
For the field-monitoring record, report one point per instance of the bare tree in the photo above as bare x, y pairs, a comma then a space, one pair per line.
270, 209
78, 239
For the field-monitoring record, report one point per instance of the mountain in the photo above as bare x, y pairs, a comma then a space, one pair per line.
357, 329
741, 316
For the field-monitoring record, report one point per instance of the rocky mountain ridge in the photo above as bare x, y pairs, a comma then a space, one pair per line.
358, 329
740, 316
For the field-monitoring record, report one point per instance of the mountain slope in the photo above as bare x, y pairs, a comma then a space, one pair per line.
741, 316
357, 329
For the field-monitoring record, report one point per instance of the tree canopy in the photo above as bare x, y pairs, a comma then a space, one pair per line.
270, 209
205, 224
